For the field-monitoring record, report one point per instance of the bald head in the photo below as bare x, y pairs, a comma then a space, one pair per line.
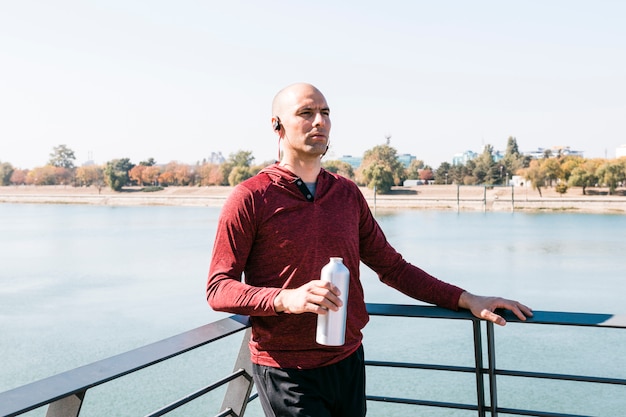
301, 119
289, 95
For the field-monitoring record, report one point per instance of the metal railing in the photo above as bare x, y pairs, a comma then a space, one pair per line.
64, 393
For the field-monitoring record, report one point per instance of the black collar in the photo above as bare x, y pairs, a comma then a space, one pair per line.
304, 189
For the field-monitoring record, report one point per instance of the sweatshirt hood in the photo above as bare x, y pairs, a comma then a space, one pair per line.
280, 175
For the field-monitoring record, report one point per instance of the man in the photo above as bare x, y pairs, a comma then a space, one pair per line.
279, 229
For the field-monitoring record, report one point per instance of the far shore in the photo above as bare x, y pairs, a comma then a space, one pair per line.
430, 197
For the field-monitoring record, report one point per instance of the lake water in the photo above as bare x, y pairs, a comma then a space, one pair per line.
82, 283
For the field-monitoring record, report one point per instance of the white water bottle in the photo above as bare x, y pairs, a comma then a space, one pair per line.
331, 327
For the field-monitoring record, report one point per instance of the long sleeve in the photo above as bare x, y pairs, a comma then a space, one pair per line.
395, 271
233, 241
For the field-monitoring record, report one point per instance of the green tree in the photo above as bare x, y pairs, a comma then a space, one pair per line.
238, 159
339, 167
552, 169
116, 173
90, 175
381, 168
239, 174
148, 162
611, 173
568, 164
378, 177
513, 160
486, 170
445, 174
62, 156
241, 158
584, 175
413, 171
6, 170
535, 174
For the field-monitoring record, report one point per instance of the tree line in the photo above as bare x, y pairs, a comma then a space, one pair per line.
380, 169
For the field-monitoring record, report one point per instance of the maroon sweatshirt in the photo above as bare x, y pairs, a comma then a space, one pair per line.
270, 235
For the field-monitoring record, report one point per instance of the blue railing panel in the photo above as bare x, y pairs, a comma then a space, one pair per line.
480, 374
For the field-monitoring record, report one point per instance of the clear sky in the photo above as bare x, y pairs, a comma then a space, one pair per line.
177, 80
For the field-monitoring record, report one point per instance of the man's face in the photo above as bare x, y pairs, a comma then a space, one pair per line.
306, 121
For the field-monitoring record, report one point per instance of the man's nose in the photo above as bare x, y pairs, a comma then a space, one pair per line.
320, 119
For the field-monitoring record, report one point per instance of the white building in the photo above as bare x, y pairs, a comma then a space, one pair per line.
554, 151
620, 151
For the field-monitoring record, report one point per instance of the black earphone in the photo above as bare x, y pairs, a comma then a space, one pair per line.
276, 124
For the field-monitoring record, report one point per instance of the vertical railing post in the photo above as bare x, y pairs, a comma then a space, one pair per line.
491, 358
484, 198
238, 391
478, 359
67, 406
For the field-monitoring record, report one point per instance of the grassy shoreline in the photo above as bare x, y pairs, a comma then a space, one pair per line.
429, 197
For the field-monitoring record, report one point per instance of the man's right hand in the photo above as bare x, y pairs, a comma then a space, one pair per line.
313, 297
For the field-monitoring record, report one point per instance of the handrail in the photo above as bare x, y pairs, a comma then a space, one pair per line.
491, 371
77, 381
64, 392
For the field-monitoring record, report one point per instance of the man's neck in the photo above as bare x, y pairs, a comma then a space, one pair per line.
307, 170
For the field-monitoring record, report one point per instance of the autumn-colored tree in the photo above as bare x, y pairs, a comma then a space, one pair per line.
612, 173
427, 174
63, 176
151, 175
585, 175
561, 188
185, 175
89, 175
552, 169
568, 164
45, 175
535, 174
136, 174
210, 174
178, 174
18, 177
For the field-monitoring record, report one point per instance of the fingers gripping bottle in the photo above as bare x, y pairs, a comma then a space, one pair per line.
331, 327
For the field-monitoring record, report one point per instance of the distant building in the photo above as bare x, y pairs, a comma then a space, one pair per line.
620, 151
519, 181
406, 159
553, 152
216, 158
463, 158
354, 161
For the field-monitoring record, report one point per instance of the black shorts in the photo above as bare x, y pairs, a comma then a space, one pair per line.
336, 390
